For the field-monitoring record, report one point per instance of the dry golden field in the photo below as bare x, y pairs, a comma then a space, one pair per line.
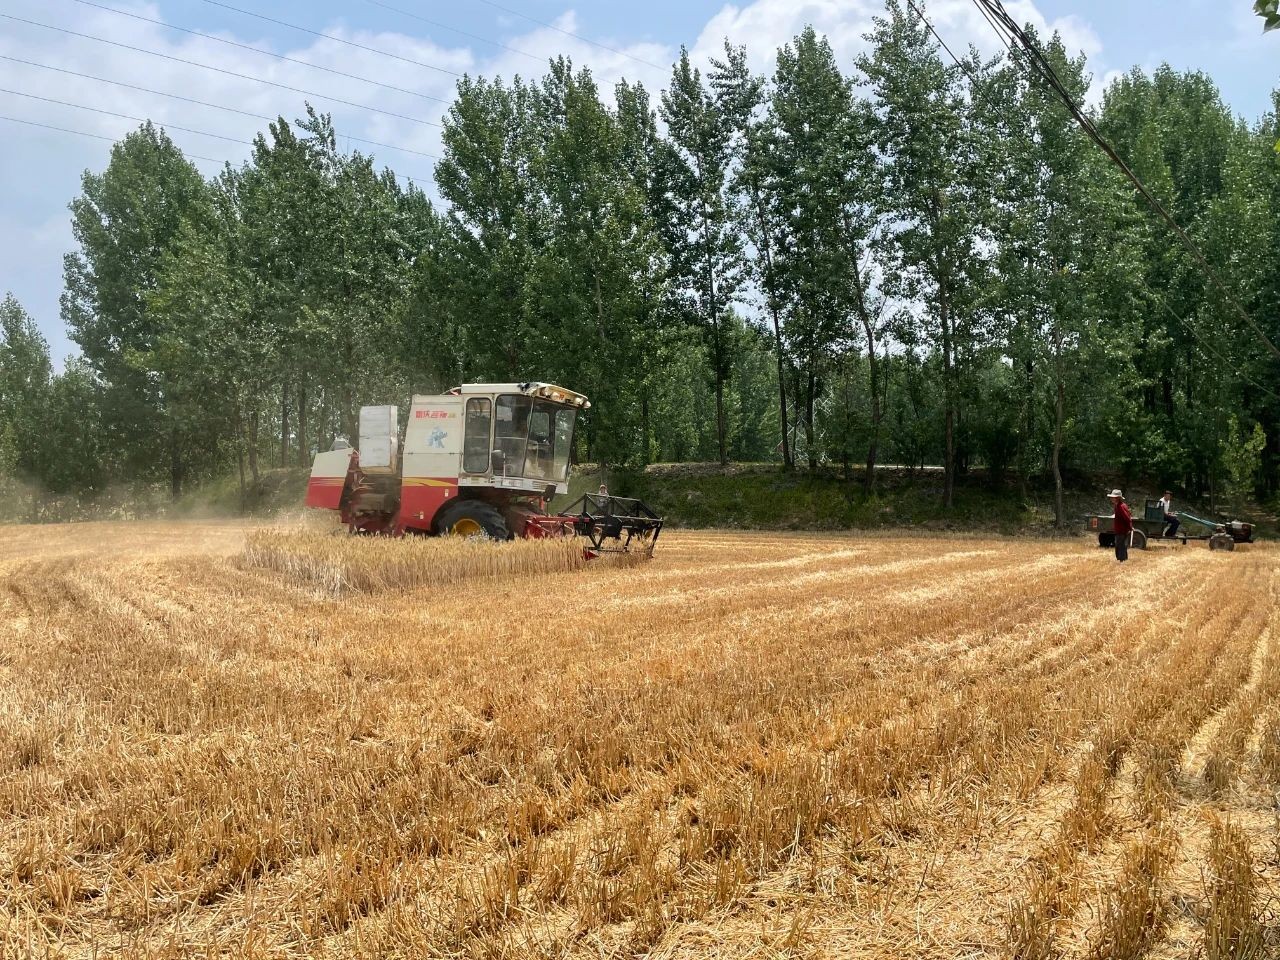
754, 746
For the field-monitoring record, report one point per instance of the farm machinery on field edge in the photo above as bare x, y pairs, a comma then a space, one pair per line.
481, 461
1151, 526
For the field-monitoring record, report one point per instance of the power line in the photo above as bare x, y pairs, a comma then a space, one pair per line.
445, 26
200, 103
95, 136
1185, 324
122, 116
326, 36
229, 73
1045, 70
567, 33
259, 50
1206, 345
125, 116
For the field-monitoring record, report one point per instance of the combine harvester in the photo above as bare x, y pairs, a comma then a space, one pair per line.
484, 461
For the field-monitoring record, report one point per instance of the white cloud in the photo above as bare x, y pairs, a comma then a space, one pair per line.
766, 25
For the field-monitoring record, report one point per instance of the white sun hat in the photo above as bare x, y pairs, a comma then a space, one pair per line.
1115, 493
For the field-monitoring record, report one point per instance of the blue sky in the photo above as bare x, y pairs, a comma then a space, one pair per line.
40, 169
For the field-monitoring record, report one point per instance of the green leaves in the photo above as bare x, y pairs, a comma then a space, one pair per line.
1269, 11
926, 244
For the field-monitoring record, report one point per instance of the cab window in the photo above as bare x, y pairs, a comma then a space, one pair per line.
475, 443
510, 433
550, 440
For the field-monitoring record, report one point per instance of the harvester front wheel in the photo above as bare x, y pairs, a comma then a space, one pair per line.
1222, 541
471, 518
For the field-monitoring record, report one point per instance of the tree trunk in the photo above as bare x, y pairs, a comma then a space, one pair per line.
948, 391
766, 248
1059, 409
284, 424
724, 451
811, 447
253, 444
645, 429
303, 447
348, 415
717, 334
244, 487
873, 378
175, 466
1028, 427
942, 276
788, 461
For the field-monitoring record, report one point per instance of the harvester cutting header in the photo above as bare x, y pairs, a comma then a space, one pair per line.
483, 460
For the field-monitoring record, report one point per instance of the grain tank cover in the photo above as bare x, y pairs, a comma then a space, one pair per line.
379, 439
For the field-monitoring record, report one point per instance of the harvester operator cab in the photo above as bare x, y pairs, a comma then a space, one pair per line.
519, 432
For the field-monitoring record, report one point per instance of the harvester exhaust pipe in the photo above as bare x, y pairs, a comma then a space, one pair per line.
615, 524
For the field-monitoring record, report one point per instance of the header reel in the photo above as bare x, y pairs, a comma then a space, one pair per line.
615, 524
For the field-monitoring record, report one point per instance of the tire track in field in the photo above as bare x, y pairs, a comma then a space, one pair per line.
969, 867
463, 868
1088, 639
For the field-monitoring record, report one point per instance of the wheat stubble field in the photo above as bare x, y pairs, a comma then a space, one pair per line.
755, 746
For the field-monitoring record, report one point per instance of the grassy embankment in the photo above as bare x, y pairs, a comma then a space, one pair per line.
697, 495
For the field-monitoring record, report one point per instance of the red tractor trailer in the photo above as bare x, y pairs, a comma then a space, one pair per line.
483, 460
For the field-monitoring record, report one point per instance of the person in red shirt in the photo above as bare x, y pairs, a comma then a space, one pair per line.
1122, 524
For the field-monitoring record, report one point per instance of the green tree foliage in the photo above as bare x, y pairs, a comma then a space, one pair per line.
820, 177
933, 194
1269, 11
703, 123
898, 260
25, 375
126, 222
1062, 289
1242, 460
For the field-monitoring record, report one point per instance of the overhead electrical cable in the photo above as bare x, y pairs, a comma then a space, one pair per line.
161, 124
95, 136
200, 103
1184, 323
561, 30
1206, 345
123, 116
1046, 72
327, 36
259, 50
445, 26
229, 73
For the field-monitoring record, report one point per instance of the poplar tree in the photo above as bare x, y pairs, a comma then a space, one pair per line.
706, 252
933, 187
125, 222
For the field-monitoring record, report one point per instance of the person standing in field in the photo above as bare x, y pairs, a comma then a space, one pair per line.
1122, 524
1170, 518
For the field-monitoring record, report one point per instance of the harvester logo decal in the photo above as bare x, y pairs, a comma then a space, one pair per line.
435, 439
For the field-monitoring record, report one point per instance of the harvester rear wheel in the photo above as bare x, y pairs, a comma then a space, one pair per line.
472, 518
1106, 540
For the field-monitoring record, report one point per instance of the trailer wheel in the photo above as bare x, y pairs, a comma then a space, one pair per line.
472, 518
1222, 541
1139, 541
1107, 540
